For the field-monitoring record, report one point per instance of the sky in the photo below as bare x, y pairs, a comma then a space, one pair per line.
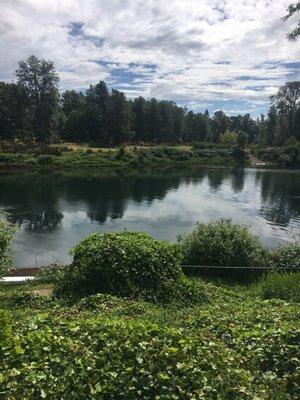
202, 54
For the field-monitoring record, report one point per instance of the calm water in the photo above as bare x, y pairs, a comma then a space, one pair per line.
55, 211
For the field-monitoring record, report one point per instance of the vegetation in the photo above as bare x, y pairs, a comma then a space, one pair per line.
33, 110
287, 256
285, 156
293, 9
45, 156
237, 346
6, 234
221, 243
127, 264
125, 323
280, 286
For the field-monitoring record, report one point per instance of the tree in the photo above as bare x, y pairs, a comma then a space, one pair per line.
120, 118
293, 9
14, 111
153, 120
40, 80
98, 107
72, 100
242, 138
139, 114
219, 124
228, 138
286, 103
271, 126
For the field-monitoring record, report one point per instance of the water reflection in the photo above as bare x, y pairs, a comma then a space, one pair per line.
279, 196
54, 211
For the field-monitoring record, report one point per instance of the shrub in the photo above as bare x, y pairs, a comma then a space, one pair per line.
52, 274
287, 256
242, 138
280, 286
220, 243
5, 327
239, 154
127, 264
6, 234
228, 138
121, 153
45, 159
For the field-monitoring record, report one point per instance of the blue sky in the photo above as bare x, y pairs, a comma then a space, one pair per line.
225, 54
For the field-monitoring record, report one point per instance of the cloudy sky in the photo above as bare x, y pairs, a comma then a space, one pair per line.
222, 54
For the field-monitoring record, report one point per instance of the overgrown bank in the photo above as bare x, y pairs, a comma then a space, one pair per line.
236, 346
123, 322
19, 155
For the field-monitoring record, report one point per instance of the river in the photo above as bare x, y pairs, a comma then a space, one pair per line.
56, 210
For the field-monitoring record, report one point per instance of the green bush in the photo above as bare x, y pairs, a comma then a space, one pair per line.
285, 256
45, 159
220, 243
127, 264
52, 274
280, 286
5, 327
6, 234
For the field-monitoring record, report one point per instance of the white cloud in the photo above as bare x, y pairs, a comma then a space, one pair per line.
204, 51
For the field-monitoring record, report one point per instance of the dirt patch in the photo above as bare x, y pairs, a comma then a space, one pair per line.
46, 292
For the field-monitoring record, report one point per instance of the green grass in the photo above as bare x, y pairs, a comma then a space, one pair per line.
235, 346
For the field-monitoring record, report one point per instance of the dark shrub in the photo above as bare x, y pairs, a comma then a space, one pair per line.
220, 243
6, 234
127, 264
121, 153
5, 328
45, 159
239, 154
280, 286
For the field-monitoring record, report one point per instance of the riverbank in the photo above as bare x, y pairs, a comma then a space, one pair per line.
132, 157
74, 156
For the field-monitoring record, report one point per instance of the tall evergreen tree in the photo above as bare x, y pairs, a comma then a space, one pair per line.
40, 80
120, 118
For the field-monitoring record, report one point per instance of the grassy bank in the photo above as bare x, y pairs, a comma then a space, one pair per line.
235, 345
70, 155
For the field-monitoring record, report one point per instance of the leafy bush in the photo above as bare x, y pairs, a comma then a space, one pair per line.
5, 327
6, 234
228, 138
280, 286
52, 274
125, 264
285, 256
220, 243
45, 159
242, 139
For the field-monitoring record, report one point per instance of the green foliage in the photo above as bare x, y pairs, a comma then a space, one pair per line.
125, 264
5, 328
237, 347
6, 234
222, 243
45, 159
228, 138
242, 139
54, 273
280, 286
285, 256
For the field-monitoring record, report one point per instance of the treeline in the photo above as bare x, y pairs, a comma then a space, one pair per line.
33, 109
